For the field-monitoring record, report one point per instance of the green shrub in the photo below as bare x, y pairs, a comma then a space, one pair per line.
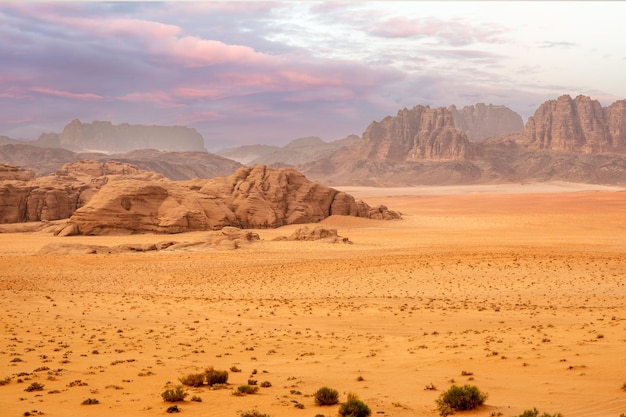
196, 399
535, 413
253, 413
193, 380
326, 396
90, 401
173, 409
35, 386
214, 376
175, 394
266, 384
354, 407
246, 389
458, 398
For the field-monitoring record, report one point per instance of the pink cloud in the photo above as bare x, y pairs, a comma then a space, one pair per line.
158, 98
197, 93
67, 94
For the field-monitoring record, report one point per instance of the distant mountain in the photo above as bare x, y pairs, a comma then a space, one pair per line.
105, 137
246, 154
173, 165
569, 140
486, 121
298, 151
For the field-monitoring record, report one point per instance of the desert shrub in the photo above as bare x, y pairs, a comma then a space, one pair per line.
90, 401
266, 384
246, 389
234, 369
175, 394
35, 386
253, 413
196, 399
458, 398
430, 387
354, 407
193, 380
5, 380
173, 409
214, 376
252, 382
326, 396
623, 385
535, 413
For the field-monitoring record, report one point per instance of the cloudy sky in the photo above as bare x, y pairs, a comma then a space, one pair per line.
251, 72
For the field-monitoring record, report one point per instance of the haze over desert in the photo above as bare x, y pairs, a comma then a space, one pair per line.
519, 293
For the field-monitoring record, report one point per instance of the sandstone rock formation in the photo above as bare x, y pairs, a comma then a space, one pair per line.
10, 172
103, 136
577, 125
418, 134
27, 199
257, 197
486, 121
317, 233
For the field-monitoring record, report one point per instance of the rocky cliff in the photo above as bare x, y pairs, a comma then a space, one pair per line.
103, 136
486, 121
577, 125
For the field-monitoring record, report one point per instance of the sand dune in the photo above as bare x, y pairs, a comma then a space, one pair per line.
525, 291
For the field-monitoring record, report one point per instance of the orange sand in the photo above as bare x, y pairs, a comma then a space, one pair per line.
526, 290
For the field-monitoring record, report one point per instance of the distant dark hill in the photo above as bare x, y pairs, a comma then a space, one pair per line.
173, 165
105, 137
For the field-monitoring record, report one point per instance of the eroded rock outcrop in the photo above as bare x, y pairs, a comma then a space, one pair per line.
577, 125
416, 134
257, 197
483, 121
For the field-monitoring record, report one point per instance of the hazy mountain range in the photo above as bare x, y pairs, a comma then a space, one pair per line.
570, 139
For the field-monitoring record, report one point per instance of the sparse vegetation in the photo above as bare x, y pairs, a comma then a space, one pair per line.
535, 413
8, 379
35, 386
174, 394
173, 409
623, 385
354, 407
196, 399
234, 369
430, 387
456, 398
214, 376
266, 384
246, 389
326, 396
253, 413
90, 401
193, 380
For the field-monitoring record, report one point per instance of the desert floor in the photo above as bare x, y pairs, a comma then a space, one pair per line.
518, 290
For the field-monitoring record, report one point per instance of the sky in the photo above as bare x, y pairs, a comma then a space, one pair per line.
254, 72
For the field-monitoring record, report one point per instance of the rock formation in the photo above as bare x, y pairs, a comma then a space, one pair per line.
418, 134
317, 233
486, 121
577, 125
103, 136
114, 197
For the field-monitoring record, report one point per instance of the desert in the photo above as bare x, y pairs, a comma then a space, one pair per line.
516, 289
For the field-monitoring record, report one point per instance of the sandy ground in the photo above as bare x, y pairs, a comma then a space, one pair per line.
519, 292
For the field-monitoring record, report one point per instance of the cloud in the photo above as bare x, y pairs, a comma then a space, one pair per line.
67, 94
562, 44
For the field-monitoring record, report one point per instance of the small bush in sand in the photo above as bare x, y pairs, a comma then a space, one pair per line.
266, 384
253, 413
456, 398
193, 380
234, 369
90, 401
326, 396
535, 413
214, 376
35, 386
354, 407
246, 389
175, 394
196, 399
8, 379
173, 409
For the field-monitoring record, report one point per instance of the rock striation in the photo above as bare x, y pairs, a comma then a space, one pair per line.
577, 125
103, 136
258, 197
483, 121
416, 134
